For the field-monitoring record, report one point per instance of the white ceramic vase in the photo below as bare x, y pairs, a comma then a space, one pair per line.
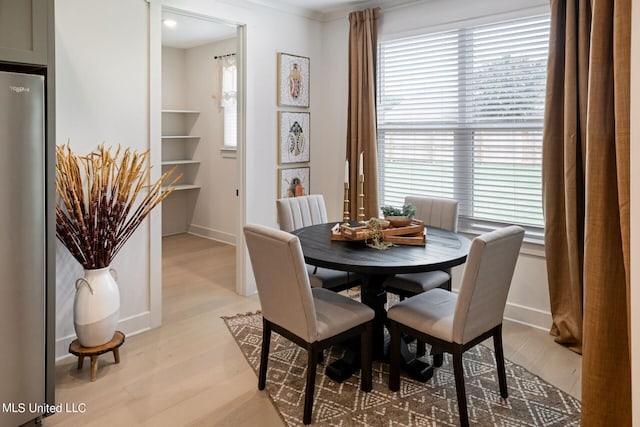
96, 307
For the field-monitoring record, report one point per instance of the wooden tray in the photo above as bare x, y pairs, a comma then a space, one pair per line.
413, 234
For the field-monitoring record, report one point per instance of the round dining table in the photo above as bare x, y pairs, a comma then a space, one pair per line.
443, 249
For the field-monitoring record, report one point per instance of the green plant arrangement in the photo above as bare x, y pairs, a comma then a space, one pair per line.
407, 210
98, 206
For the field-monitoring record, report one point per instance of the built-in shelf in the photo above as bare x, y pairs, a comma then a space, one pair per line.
181, 111
180, 137
178, 149
179, 162
179, 187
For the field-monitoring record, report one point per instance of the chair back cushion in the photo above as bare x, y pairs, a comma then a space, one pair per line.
298, 212
485, 282
441, 213
282, 280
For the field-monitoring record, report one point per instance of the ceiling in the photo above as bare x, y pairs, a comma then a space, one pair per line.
191, 31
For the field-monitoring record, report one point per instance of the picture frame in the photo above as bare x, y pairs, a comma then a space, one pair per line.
293, 80
294, 139
293, 182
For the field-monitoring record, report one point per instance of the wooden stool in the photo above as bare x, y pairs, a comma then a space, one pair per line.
76, 349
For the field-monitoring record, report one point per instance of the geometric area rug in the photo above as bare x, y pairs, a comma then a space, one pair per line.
531, 401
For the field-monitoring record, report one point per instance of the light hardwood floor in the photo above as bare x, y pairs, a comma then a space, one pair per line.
190, 372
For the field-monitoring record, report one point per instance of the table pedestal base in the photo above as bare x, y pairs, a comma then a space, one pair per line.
415, 368
341, 369
374, 296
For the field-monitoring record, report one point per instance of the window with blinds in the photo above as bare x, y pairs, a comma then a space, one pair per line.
460, 115
229, 100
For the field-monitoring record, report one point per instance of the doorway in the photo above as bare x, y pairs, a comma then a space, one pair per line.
196, 128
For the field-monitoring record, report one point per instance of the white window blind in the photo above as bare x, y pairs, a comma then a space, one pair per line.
230, 126
460, 115
228, 97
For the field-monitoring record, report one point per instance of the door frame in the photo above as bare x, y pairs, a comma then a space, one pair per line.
155, 156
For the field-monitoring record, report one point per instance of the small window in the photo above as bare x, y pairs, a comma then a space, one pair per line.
228, 100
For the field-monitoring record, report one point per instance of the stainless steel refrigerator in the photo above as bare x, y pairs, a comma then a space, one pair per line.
23, 247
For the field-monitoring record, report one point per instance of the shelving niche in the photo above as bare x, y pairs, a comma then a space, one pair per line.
178, 146
178, 150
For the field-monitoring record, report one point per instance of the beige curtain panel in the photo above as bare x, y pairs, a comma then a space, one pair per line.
564, 152
361, 116
586, 198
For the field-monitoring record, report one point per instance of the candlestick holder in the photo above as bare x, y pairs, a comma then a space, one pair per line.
345, 214
361, 199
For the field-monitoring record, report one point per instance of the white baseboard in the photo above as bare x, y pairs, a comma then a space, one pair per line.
528, 316
208, 233
132, 325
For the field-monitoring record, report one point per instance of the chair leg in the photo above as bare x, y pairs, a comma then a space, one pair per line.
394, 348
312, 361
320, 356
421, 348
502, 375
264, 355
365, 358
458, 372
438, 356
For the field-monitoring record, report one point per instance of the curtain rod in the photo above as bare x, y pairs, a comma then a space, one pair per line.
223, 56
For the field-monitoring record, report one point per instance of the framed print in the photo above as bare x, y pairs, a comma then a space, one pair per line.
293, 137
293, 182
293, 80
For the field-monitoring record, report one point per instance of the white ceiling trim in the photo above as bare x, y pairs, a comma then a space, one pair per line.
279, 6
331, 13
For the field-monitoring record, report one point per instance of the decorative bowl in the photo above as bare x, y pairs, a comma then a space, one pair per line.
398, 221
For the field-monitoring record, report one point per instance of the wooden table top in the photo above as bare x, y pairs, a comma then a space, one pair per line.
444, 249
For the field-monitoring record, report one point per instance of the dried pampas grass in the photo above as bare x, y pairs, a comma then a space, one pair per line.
97, 209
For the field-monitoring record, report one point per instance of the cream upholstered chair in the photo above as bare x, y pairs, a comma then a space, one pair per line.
313, 318
441, 213
456, 322
302, 211
298, 212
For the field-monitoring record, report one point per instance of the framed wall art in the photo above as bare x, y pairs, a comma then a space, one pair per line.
293, 137
293, 182
293, 80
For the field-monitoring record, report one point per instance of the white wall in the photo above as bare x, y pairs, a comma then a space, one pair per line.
102, 96
215, 214
174, 95
103, 79
329, 127
439, 15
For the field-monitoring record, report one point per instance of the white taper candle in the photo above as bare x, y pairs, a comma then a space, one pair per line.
346, 171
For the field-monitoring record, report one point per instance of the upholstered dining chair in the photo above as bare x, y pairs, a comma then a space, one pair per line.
302, 211
457, 322
441, 213
313, 318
